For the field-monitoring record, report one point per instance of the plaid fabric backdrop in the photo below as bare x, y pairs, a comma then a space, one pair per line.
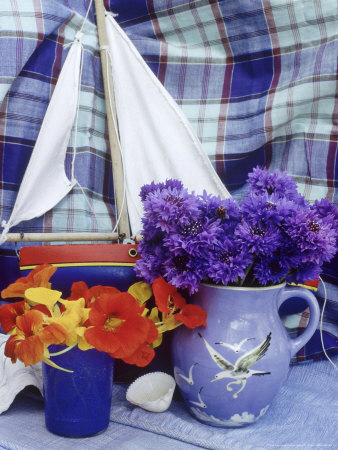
257, 80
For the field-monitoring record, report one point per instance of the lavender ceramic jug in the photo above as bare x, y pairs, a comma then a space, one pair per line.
230, 371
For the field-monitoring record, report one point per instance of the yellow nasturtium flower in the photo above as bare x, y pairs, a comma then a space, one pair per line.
81, 341
141, 292
154, 316
42, 296
73, 317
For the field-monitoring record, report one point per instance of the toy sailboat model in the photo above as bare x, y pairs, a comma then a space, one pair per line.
152, 138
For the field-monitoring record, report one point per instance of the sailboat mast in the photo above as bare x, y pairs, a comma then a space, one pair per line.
117, 166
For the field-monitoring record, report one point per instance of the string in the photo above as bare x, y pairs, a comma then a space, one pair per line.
74, 180
91, 209
77, 115
86, 16
6, 226
78, 37
109, 60
110, 16
321, 325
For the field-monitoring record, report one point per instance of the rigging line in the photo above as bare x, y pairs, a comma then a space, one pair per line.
75, 133
86, 16
111, 15
109, 61
78, 38
73, 179
77, 114
321, 325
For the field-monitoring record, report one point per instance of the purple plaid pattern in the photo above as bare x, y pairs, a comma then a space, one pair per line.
256, 79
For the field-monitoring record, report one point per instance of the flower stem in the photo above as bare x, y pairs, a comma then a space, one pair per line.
247, 270
61, 352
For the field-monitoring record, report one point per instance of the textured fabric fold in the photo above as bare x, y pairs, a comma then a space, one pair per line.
24, 25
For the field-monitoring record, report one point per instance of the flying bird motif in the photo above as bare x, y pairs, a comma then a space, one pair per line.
240, 371
188, 379
235, 347
201, 403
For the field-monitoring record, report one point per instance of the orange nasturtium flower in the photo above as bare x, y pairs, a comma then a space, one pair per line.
59, 328
26, 344
39, 323
174, 307
118, 327
40, 276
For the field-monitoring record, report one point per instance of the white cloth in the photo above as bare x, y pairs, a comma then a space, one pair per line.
15, 377
157, 141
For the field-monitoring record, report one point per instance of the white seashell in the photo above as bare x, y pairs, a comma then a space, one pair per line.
15, 377
153, 391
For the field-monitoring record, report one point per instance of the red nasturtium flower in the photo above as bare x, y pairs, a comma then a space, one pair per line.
9, 313
38, 277
144, 352
26, 345
169, 300
142, 356
192, 316
117, 327
80, 289
162, 293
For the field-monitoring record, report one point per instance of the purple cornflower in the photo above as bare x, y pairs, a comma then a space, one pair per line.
304, 272
272, 235
227, 262
327, 212
151, 246
214, 207
270, 270
170, 207
313, 238
278, 183
267, 208
195, 239
260, 238
153, 187
183, 271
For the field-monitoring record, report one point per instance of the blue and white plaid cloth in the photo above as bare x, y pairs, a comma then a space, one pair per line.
257, 80
302, 415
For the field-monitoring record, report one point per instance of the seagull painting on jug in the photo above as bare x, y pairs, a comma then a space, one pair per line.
230, 371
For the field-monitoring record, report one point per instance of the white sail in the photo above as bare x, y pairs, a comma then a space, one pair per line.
157, 141
45, 182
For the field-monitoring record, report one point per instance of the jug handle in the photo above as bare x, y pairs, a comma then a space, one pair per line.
289, 292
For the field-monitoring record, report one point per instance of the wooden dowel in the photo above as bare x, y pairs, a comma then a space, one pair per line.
59, 237
113, 138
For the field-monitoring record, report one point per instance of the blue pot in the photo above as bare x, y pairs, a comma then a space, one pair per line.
78, 403
230, 371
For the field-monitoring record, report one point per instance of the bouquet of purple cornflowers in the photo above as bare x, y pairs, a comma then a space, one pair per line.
271, 236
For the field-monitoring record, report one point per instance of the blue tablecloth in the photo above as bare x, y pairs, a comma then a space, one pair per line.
303, 414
